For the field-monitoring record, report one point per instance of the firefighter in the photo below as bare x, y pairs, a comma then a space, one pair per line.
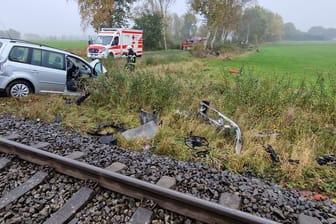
131, 59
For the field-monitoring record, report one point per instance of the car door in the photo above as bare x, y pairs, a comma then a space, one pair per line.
49, 70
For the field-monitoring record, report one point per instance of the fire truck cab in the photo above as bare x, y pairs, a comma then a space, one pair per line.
113, 42
187, 44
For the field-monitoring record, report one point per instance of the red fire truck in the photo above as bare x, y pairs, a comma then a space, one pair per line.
113, 42
188, 43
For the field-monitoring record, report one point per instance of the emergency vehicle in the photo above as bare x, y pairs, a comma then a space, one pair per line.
188, 43
113, 42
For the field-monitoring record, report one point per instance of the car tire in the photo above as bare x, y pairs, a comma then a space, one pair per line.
19, 88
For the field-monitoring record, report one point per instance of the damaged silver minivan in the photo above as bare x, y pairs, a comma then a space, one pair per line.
27, 68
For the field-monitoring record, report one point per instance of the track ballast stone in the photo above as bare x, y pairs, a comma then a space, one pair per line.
258, 196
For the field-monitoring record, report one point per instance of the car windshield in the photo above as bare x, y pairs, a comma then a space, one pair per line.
83, 67
103, 40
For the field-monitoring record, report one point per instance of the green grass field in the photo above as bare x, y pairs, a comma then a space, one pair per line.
296, 59
70, 44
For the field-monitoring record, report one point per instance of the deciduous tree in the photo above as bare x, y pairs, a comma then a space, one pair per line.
189, 27
151, 24
161, 7
104, 13
221, 16
260, 25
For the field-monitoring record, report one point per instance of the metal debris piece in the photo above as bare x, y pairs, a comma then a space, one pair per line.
326, 160
146, 117
294, 161
82, 98
57, 118
147, 130
108, 139
272, 153
196, 141
220, 122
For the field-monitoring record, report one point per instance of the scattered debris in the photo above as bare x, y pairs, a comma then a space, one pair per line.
275, 158
57, 118
146, 117
204, 107
202, 153
313, 196
82, 98
235, 71
272, 153
101, 127
326, 160
319, 197
108, 139
67, 100
294, 161
196, 141
147, 130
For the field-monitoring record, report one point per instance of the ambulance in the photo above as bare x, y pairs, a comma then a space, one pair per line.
113, 42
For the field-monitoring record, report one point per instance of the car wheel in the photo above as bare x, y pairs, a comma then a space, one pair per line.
19, 88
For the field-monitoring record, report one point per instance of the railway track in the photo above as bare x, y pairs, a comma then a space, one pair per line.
113, 202
177, 202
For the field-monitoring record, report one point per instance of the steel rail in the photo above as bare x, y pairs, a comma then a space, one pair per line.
186, 205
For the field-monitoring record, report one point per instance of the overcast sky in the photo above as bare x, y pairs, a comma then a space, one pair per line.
58, 17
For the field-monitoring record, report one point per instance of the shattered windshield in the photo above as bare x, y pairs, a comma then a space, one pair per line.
103, 40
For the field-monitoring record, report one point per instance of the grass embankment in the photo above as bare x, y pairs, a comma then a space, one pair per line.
285, 88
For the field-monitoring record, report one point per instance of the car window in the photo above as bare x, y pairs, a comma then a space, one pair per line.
52, 59
36, 57
19, 54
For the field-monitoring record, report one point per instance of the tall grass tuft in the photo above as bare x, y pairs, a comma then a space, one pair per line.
136, 90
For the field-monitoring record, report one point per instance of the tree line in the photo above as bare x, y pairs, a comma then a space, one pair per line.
222, 22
